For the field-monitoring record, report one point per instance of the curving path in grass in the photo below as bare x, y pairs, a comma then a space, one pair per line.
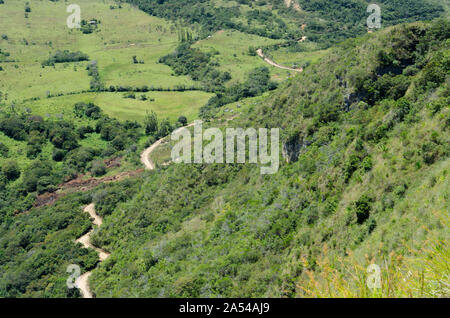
269, 61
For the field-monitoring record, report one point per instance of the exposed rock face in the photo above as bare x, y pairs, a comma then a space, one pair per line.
293, 146
352, 99
294, 4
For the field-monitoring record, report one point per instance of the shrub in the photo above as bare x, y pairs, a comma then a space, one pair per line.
64, 57
436, 106
351, 166
63, 137
3, 150
80, 157
165, 128
151, 123
33, 150
89, 110
58, 154
34, 173
119, 142
362, 208
367, 163
11, 170
98, 168
430, 152
182, 120
13, 127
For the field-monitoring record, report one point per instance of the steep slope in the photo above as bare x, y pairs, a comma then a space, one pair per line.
322, 21
365, 134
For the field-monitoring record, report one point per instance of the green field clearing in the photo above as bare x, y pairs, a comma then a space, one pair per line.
233, 53
121, 34
162, 154
296, 59
166, 104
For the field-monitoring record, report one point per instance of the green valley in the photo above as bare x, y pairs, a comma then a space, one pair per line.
88, 117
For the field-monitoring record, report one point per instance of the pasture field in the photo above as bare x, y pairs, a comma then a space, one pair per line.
162, 155
233, 47
165, 104
120, 35
296, 59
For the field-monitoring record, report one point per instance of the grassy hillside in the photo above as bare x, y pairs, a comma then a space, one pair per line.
367, 182
231, 52
121, 34
323, 21
165, 104
364, 134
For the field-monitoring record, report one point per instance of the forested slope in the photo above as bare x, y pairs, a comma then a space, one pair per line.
364, 178
366, 134
322, 21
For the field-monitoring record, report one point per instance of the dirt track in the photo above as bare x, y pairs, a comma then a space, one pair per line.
145, 156
269, 61
83, 281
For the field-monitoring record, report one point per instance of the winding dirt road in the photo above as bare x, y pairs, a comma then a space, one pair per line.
86, 239
82, 282
269, 61
145, 156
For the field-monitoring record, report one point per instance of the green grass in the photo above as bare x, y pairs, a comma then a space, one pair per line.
121, 34
296, 59
233, 52
162, 154
165, 104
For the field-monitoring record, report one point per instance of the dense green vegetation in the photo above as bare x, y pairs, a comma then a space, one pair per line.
64, 57
365, 142
365, 173
37, 247
193, 62
327, 21
57, 152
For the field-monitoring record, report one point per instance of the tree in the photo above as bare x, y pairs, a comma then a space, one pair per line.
151, 123
165, 128
182, 120
3, 150
11, 170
